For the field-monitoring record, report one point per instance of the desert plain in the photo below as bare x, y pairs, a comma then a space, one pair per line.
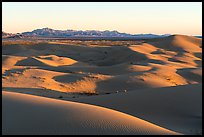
148, 87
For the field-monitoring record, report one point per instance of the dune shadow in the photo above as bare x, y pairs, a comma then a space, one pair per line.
69, 78
56, 69
175, 60
198, 55
199, 63
100, 56
188, 74
18, 71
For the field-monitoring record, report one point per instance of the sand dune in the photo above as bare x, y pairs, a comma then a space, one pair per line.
179, 43
151, 75
50, 60
177, 108
159, 63
10, 61
37, 115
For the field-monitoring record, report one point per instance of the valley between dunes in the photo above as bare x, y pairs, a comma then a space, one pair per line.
102, 87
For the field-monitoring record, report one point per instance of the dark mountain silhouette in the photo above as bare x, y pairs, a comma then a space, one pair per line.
47, 32
51, 33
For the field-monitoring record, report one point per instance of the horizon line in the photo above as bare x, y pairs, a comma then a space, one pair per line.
100, 31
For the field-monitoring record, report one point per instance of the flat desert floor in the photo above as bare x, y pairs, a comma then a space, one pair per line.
97, 87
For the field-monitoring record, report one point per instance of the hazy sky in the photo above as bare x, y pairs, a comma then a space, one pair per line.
130, 17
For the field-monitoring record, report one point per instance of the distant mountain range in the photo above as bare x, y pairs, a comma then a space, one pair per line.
49, 33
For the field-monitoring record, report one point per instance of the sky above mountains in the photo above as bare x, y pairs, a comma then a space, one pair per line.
130, 17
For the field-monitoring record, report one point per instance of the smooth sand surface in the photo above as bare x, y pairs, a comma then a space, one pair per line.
177, 108
157, 80
38, 115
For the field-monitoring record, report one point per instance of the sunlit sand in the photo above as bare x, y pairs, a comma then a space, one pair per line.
144, 87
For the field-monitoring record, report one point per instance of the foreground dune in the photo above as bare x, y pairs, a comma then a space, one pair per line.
177, 108
27, 114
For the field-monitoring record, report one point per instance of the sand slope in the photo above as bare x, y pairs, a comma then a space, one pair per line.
37, 115
177, 108
150, 79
